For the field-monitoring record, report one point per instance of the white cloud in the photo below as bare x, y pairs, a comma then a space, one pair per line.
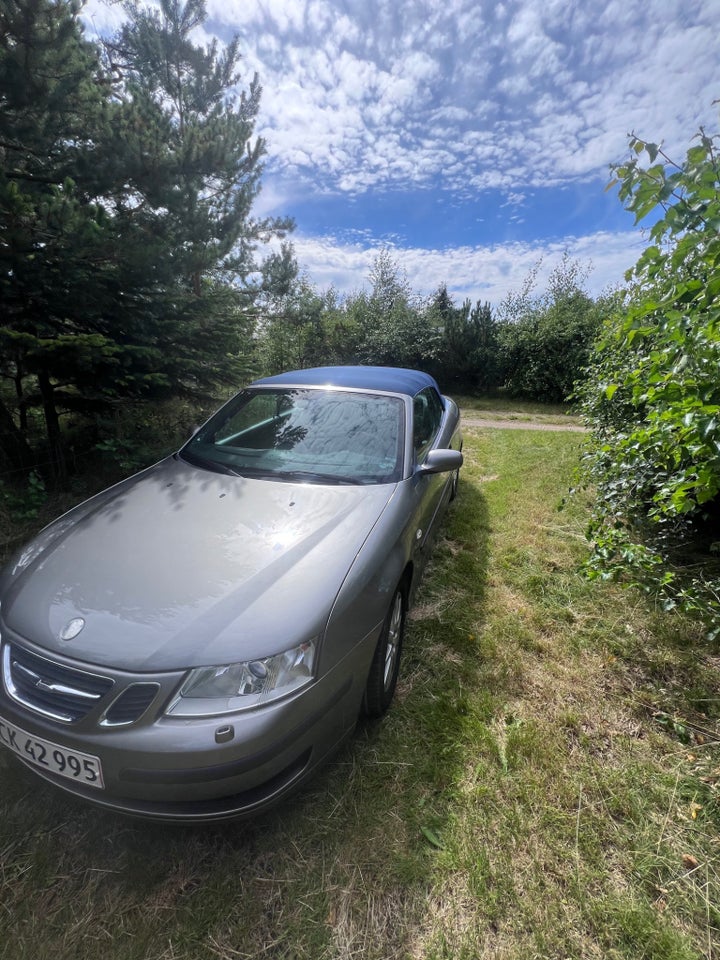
471, 96
565, 89
476, 272
102, 18
547, 89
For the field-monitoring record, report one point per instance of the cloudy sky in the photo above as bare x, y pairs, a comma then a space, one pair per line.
472, 137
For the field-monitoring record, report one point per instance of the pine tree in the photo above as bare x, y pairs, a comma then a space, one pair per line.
127, 245
469, 352
53, 109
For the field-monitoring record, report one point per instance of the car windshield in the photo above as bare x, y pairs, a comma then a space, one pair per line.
316, 435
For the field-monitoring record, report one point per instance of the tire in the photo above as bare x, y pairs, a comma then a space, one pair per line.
454, 485
455, 482
383, 675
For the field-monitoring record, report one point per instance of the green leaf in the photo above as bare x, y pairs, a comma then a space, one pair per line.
696, 155
654, 458
432, 838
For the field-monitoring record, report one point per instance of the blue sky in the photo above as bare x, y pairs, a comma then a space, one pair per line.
472, 137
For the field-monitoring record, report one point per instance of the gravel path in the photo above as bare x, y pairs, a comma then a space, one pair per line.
469, 421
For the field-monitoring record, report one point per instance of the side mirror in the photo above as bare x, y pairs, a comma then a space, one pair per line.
441, 461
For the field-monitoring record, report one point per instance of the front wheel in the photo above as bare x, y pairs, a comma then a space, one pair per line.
455, 481
454, 484
383, 675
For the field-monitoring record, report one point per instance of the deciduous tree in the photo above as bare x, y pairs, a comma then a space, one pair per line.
546, 340
393, 329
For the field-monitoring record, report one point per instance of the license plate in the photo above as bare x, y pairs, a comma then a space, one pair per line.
46, 755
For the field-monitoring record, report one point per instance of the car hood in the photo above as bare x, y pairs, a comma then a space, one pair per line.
180, 567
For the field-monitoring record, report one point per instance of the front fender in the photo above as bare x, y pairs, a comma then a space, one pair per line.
365, 595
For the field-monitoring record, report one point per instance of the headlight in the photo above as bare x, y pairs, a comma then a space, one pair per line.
210, 691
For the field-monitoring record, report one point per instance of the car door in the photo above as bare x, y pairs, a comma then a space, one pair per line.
430, 488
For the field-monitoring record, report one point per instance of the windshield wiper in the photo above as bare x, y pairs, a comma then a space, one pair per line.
315, 477
198, 461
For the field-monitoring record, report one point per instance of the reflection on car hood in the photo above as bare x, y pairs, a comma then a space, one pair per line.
181, 567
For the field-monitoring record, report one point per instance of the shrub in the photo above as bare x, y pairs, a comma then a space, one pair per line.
546, 341
652, 399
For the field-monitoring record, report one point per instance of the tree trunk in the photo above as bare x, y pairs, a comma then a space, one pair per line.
16, 457
52, 426
22, 403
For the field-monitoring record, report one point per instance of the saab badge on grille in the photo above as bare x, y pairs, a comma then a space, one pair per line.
72, 629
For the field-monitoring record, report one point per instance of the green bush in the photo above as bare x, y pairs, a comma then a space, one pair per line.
545, 341
652, 399
24, 504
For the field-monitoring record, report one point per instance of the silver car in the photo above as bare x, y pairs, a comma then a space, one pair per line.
192, 643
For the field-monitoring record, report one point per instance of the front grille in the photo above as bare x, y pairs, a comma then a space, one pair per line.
52, 689
131, 704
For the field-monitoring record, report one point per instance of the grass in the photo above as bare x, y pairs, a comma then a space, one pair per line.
507, 408
545, 786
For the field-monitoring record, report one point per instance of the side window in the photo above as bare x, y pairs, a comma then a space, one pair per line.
427, 415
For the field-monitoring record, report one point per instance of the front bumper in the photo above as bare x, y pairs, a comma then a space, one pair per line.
208, 768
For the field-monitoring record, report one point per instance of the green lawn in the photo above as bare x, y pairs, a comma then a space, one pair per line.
514, 409
545, 785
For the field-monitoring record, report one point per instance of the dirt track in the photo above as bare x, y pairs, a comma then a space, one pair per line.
500, 424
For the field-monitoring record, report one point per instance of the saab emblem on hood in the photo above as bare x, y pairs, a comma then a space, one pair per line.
72, 629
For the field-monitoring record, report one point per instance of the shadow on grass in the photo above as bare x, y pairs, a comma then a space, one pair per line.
344, 868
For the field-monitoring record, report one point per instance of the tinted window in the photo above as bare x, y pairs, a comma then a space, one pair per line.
427, 416
323, 435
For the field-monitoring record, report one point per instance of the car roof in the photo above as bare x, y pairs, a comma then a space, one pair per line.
390, 379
